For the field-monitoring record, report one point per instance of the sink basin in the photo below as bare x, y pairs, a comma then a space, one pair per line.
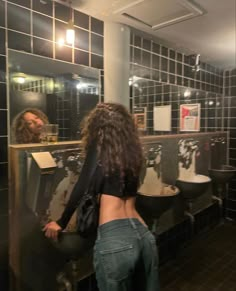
223, 174
71, 244
153, 206
193, 187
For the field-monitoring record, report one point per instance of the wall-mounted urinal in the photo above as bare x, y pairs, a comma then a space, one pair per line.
191, 184
219, 171
154, 197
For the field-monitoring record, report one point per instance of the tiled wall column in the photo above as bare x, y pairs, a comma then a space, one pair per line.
116, 62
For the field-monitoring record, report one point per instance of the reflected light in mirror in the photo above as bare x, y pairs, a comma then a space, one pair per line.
60, 42
70, 33
19, 78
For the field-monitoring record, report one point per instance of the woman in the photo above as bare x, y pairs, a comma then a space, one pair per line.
27, 126
125, 254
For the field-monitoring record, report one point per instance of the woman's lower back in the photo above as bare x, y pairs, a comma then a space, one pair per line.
112, 208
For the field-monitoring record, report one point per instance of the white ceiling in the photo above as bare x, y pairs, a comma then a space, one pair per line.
205, 27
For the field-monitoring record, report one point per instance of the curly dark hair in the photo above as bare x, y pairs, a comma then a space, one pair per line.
20, 131
112, 128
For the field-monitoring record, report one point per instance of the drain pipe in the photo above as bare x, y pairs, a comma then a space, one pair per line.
188, 213
220, 203
62, 280
190, 216
219, 200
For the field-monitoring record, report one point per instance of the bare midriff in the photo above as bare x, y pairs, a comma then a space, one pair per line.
112, 207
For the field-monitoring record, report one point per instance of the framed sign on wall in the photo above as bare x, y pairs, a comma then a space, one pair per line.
190, 117
140, 117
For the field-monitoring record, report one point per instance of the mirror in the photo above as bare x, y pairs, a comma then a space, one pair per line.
147, 94
63, 91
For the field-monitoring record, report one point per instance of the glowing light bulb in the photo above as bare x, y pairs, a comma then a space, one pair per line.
70, 33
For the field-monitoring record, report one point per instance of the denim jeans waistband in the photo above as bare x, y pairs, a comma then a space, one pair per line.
124, 224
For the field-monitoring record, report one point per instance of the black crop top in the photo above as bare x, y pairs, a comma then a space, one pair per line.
110, 185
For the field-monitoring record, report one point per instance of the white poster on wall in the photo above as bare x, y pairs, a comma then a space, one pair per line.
162, 118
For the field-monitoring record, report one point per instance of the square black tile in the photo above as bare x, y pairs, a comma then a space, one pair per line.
62, 12
146, 58
2, 42
42, 47
3, 149
24, 3
81, 19
179, 57
164, 51
172, 67
81, 57
81, 39
155, 62
156, 48
18, 18
96, 61
2, 13
63, 53
4, 176
3, 96
137, 56
3, 123
164, 64
179, 69
147, 44
2, 68
96, 25
172, 54
96, 44
137, 41
42, 26
60, 30
19, 41
44, 7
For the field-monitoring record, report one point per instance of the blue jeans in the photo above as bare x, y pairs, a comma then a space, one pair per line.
125, 257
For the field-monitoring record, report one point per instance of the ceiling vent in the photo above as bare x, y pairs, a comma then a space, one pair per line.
157, 14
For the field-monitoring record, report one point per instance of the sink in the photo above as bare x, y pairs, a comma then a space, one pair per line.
72, 245
153, 206
194, 186
223, 174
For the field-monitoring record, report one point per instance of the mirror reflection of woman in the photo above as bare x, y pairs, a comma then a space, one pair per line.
27, 126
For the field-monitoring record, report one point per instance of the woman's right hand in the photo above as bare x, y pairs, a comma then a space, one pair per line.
51, 230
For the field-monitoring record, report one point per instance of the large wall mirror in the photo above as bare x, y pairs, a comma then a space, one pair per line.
63, 91
147, 94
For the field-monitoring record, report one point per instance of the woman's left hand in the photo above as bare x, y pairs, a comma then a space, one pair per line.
51, 230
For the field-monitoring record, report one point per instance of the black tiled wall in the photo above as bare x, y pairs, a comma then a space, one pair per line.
168, 75
34, 27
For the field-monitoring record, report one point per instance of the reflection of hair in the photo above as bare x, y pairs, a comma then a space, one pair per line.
20, 130
112, 128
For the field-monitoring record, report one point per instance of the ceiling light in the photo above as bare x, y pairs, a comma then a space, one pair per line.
19, 78
70, 30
